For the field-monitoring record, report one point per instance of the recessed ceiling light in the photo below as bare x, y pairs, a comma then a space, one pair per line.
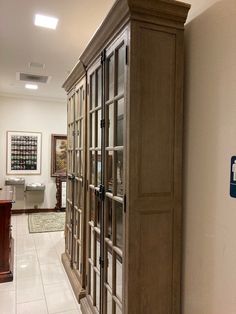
45, 21
31, 86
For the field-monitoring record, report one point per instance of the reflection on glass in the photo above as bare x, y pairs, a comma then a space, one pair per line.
80, 261
119, 278
92, 129
81, 134
91, 285
91, 244
99, 169
92, 91
98, 250
99, 87
119, 173
110, 64
92, 168
81, 102
119, 224
109, 303
92, 205
110, 125
81, 163
121, 70
120, 123
99, 130
109, 267
78, 162
97, 291
98, 211
118, 310
109, 217
109, 171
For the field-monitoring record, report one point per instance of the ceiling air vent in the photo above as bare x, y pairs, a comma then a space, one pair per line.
27, 77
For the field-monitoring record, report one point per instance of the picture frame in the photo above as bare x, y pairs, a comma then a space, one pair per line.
24, 151
58, 155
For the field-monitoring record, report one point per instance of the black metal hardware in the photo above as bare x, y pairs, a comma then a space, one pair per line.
102, 123
101, 262
102, 192
126, 55
124, 203
103, 56
71, 177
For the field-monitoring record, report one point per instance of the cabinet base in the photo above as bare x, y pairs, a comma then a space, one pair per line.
77, 288
85, 309
6, 276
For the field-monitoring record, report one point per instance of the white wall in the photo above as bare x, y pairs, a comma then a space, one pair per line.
25, 114
209, 273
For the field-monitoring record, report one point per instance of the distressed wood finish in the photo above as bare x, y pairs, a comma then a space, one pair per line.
153, 100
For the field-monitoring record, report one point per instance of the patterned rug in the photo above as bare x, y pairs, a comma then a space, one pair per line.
46, 222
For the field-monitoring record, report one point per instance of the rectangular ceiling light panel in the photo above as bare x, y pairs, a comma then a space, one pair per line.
45, 21
31, 86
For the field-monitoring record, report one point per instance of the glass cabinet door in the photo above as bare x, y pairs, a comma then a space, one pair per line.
94, 181
78, 214
114, 178
70, 171
105, 197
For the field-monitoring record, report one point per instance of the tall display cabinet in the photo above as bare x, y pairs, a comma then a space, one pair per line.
123, 237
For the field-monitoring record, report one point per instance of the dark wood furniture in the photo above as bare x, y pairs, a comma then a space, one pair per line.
6, 240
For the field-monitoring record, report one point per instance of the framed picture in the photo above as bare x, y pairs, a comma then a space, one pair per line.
24, 152
58, 155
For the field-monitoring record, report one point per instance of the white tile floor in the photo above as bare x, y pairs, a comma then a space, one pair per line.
40, 283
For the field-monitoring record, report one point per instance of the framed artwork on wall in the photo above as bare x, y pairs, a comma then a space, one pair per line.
24, 152
58, 155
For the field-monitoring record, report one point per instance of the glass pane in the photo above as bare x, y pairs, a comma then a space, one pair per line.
99, 130
121, 70
78, 162
120, 123
92, 168
97, 250
81, 163
110, 125
92, 129
92, 91
119, 173
118, 310
119, 278
81, 134
99, 87
119, 224
110, 64
92, 205
78, 225
91, 281
92, 244
109, 267
98, 211
108, 233
99, 169
97, 291
81, 102
76, 134
109, 303
109, 166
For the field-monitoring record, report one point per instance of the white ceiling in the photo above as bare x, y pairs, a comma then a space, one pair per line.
21, 42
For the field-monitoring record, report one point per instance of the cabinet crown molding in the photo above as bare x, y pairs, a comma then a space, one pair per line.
168, 13
77, 72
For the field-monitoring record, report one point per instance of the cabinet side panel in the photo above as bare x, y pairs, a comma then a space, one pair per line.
156, 256
156, 128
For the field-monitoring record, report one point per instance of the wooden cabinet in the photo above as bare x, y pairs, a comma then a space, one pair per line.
6, 243
132, 166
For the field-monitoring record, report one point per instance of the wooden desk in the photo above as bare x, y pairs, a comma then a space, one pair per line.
6, 240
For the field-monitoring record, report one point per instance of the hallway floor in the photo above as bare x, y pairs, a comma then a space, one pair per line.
40, 283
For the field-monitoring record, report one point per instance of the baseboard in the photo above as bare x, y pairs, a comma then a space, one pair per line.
32, 210
76, 286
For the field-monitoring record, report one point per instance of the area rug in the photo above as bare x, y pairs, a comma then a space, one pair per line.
46, 222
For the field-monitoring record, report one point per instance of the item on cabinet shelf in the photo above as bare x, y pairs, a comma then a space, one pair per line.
35, 187
58, 155
6, 243
23, 152
15, 181
124, 209
61, 193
